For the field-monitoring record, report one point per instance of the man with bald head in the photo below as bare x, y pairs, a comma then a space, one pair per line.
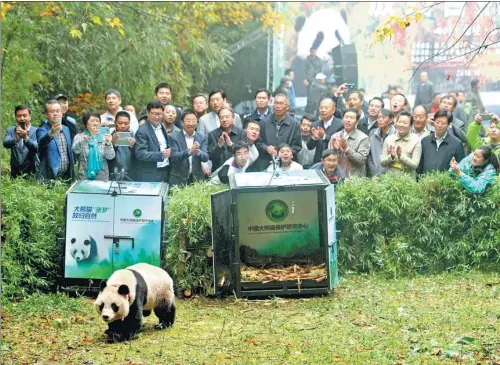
323, 129
419, 127
169, 118
425, 90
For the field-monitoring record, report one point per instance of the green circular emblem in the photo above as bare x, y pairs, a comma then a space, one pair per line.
277, 210
137, 213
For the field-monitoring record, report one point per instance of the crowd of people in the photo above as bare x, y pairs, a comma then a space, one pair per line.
344, 135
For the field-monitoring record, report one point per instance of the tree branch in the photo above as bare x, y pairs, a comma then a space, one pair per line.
468, 63
419, 67
452, 58
453, 30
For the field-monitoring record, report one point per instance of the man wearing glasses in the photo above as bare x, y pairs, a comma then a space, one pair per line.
151, 147
54, 145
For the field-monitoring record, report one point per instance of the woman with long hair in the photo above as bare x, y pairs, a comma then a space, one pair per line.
476, 171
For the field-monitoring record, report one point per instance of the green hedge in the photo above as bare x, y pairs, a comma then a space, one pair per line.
32, 218
391, 225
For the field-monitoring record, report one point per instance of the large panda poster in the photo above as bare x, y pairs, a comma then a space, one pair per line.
89, 218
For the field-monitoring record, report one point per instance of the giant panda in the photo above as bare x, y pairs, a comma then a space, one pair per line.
84, 250
131, 293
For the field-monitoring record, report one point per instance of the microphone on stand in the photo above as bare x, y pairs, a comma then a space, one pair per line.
122, 174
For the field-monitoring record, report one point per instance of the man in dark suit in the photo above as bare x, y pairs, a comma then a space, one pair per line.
189, 150
262, 97
368, 123
323, 129
278, 128
54, 145
21, 140
152, 149
425, 90
221, 140
440, 147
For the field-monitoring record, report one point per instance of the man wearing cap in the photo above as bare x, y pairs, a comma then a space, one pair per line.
316, 92
66, 119
113, 101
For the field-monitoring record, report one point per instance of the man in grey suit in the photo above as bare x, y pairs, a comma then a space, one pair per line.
21, 140
210, 121
459, 111
189, 150
152, 149
425, 90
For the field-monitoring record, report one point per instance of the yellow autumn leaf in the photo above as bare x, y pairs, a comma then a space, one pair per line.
115, 23
75, 33
418, 16
96, 20
122, 32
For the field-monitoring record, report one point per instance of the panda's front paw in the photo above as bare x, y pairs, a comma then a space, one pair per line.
113, 336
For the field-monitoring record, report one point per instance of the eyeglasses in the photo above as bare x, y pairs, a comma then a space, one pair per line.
156, 114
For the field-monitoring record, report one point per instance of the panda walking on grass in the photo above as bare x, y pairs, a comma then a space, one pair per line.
131, 293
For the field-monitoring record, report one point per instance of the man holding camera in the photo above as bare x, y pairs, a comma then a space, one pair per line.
54, 143
21, 140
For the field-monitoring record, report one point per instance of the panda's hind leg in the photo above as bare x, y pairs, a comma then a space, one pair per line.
166, 316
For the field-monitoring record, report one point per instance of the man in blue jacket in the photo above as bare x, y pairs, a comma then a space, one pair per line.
54, 144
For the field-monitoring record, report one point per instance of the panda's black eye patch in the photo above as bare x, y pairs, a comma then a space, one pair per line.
83, 253
86, 242
114, 307
73, 240
101, 307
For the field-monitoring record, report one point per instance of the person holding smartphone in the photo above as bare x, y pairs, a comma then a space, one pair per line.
21, 140
492, 140
93, 156
54, 145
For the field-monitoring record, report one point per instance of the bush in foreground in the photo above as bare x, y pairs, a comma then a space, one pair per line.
391, 225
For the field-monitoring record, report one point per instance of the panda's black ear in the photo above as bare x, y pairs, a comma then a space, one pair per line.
102, 285
73, 240
123, 290
86, 242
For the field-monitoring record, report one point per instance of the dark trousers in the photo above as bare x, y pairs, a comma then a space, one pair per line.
162, 174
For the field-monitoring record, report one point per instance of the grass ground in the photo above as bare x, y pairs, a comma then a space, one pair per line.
446, 319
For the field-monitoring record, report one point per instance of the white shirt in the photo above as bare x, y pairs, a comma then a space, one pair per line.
439, 141
327, 125
163, 144
294, 166
110, 118
253, 153
189, 142
328, 122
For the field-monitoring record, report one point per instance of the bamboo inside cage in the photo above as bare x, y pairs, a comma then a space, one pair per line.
293, 272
